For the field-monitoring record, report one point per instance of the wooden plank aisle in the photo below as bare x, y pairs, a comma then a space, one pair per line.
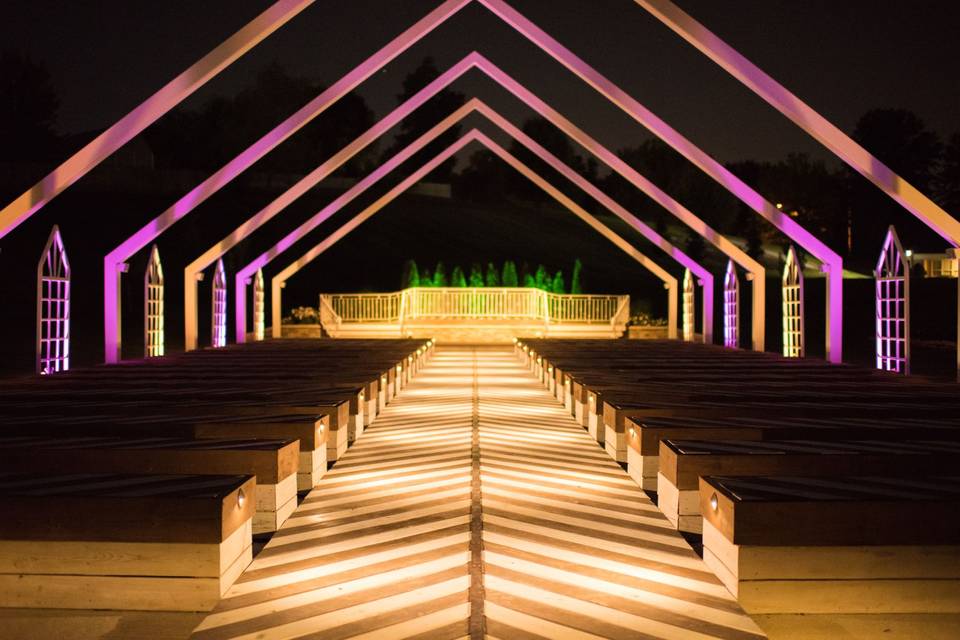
572, 548
380, 549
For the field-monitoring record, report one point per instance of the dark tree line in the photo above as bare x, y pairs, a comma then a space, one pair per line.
203, 137
208, 137
506, 276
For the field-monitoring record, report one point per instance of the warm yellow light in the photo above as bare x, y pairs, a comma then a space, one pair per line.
714, 502
633, 432
241, 498
779, 205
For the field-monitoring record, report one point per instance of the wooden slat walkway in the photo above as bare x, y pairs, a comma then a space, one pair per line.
382, 548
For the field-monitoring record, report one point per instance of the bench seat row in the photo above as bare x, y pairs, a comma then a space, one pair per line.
141, 486
817, 488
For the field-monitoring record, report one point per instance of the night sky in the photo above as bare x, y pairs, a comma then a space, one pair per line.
842, 57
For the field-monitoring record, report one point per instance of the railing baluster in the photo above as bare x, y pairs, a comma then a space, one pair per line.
475, 303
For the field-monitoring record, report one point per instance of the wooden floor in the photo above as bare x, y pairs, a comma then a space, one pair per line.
397, 542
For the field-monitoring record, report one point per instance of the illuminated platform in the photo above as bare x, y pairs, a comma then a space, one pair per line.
473, 315
476, 332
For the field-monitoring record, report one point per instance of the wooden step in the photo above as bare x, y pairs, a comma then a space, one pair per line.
682, 462
840, 544
273, 462
126, 542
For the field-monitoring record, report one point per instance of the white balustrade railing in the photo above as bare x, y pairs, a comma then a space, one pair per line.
487, 303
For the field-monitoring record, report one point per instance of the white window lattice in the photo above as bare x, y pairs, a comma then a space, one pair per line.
218, 327
53, 307
731, 307
792, 306
688, 306
893, 306
153, 306
259, 325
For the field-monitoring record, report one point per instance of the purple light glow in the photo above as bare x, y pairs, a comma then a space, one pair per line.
731, 307
569, 60
472, 105
53, 307
304, 185
112, 338
892, 301
326, 243
145, 114
283, 10
802, 115
478, 61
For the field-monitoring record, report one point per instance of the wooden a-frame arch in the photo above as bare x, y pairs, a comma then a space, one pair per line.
480, 107
193, 272
278, 281
284, 10
475, 105
114, 261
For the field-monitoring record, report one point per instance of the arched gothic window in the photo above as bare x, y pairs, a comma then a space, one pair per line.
153, 306
218, 327
731, 307
688, 306
258, 315
792, 306
53, 307
892, 276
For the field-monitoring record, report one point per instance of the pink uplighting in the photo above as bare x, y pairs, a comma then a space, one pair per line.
892, 276
473, 105
731, 307
284, 10
53, 307
474, 135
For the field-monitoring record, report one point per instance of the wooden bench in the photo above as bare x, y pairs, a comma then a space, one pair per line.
309, 429
835, 545
273, 462
683, 462
644, 436
125, 542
